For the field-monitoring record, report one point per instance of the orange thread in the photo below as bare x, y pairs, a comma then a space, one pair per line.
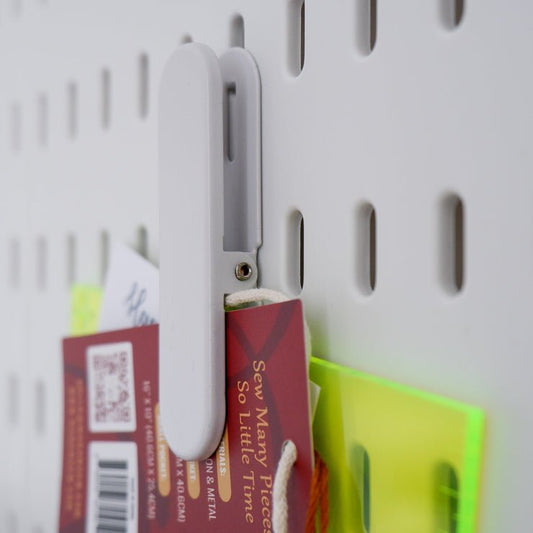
318, 498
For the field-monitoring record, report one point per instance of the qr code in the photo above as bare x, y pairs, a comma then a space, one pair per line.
111, 388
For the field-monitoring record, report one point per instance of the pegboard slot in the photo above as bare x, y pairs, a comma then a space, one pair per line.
40, 407
14, 263
13, 400
142, 241
459, 11
104, 255
360, 469
296, 36
296, 258
446, 498
16, 127
366, 25
106, 98
452, 236
71, 260
42, 263
366, 248
237, 31
452, 12
302, 35
144, 85
42, 119
72, 110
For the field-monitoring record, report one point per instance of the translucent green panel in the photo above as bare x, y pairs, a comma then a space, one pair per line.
85, 303
400, 460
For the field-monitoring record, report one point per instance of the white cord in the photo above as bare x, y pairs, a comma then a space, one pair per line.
280, 506
255, 295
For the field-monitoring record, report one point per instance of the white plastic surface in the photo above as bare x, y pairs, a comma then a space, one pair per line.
191, 333
433, 110
195, 271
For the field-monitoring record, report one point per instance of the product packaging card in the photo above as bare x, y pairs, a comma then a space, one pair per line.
118, 472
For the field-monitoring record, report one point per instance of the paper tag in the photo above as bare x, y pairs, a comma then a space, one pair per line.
131, 295
267, 403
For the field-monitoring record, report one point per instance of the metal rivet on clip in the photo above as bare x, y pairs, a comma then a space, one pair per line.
243, 271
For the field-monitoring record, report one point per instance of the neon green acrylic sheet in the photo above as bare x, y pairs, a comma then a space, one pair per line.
85, 303
400, 460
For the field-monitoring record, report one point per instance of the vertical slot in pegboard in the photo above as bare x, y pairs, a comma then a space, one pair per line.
366, 25
453, 251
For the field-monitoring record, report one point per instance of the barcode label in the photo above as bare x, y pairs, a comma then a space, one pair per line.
111, 388
113, 488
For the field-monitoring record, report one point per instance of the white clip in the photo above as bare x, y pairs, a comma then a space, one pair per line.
210, 230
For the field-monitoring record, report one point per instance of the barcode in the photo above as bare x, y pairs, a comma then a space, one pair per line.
112, 490
112, 486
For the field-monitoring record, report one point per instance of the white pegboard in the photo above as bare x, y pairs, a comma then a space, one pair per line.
434, 110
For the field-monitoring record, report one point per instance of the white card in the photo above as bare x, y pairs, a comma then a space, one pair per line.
131, 293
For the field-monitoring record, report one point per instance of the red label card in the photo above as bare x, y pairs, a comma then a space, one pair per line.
118, 472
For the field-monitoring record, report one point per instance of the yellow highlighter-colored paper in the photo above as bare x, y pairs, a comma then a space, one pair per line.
85, 302
400, 460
